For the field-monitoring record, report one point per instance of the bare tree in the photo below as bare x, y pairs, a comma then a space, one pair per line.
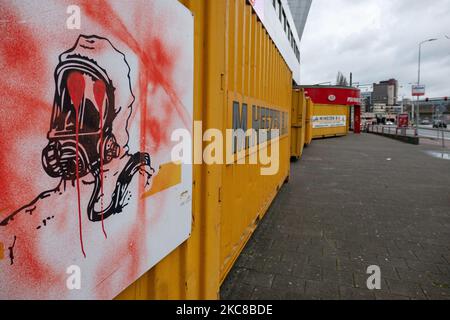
341, 80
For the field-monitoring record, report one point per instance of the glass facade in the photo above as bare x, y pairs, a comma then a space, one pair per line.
300, 11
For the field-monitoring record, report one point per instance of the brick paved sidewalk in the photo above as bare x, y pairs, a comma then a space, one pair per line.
353, 202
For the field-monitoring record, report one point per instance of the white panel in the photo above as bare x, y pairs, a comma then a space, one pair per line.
97, 192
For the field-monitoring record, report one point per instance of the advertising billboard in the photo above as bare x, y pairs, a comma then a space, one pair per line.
403, 120
329, 121
91, 91
418, 90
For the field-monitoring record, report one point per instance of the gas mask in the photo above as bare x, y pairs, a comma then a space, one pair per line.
88, 129
81, 122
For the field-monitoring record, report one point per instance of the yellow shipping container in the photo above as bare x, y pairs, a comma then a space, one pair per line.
308, 124
236, 64
331, 111
298, 122
335, 110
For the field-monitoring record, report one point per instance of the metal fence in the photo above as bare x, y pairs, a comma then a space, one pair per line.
440, 134
381, 129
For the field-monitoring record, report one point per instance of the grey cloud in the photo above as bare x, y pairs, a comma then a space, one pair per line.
376, 40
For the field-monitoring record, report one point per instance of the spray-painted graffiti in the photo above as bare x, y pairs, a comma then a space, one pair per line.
81, 139
111, 97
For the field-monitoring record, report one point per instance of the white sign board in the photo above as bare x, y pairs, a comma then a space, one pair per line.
418, 90
91, 93
329, 121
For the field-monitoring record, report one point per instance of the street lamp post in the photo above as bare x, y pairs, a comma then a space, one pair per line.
418, 80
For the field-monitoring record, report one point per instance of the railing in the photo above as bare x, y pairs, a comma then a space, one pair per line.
440, 134
382, 129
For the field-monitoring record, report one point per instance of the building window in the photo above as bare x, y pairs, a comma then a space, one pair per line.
280, 11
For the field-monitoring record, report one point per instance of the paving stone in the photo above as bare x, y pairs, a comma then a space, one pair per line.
310, 250
338, 253
364, 259
439, 280
420, 277
404, 288
351, 293
295, 295
436, 293
236, 275
388, 271
290, 283
260, 279
241, 291
338, 277
263, 293
259, 263
326, 263
352, 266
383, 295
444, 270
308, 272
423, 266
360, 280
322, 289
393, 262
297, 258
435, 257
285, 246
279, 267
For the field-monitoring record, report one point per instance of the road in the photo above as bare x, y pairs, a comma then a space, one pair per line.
433, 133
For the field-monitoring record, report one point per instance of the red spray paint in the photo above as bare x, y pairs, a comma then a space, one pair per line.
99, 94
111, 21
76, 86
18, 88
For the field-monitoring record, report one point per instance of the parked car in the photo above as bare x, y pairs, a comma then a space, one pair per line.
439, 124
389, 123
425, 122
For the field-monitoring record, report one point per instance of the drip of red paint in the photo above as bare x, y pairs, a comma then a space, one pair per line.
76, 86
99, 94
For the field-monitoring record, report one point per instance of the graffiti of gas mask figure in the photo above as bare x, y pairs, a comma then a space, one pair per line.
89, 126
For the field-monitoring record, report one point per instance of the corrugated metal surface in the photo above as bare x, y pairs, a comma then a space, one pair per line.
235, 61
298, 122
328, 110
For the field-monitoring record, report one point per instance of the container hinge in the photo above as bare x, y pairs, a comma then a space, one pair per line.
222, 81
220, 194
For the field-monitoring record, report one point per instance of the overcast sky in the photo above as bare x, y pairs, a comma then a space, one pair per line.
378, 40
